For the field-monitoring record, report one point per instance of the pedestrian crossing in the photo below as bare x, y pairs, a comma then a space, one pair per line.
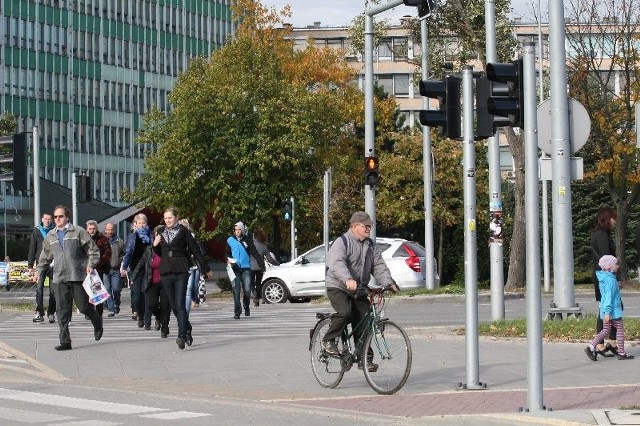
18, 408
215, 319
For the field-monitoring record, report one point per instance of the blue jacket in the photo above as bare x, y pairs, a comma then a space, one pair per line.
610, 303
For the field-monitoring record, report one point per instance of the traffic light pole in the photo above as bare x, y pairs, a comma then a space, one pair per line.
369, 126
563, 291
496, 251
532, 216
293, 228
427, 172
36, 178
472, 360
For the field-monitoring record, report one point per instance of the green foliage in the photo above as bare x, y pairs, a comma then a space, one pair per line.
569, 330
8, 124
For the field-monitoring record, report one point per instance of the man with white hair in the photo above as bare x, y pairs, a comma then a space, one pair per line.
240, 249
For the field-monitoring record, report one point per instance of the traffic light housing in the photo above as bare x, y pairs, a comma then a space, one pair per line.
448, 116
486, 123
83, 188
425, 7
371, 171
13, 160
506, 98
287, 213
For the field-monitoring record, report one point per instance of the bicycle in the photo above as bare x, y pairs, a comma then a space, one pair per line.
385, 343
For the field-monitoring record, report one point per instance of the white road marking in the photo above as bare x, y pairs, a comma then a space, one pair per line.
78, 403
175, 415
26, 416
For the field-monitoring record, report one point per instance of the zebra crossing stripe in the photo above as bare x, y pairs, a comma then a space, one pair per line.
25, 416
174, 415
78, 403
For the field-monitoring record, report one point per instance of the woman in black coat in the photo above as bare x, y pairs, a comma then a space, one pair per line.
175, 244
602, 244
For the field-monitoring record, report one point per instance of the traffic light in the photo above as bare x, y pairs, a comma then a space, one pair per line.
506, 101
13, 160
448, 117
425, 7
371, 172
83, 189
486, 123
287, 213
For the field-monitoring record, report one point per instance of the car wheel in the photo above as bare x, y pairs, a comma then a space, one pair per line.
275, 291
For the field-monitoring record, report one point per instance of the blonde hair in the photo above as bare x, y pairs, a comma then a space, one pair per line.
185, 223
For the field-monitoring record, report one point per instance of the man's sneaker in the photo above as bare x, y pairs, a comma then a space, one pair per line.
52, 319
38, 318
330, 347
591, 354
111, 314
373, 367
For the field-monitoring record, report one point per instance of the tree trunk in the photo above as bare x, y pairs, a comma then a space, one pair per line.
517, 247
621, 237
440, 243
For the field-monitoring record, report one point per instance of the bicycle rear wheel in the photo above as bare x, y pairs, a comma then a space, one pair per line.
327, 369
386, 358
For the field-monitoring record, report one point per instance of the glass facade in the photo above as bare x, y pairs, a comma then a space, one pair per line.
86, 71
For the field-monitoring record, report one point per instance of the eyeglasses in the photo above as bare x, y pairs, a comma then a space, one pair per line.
59, 216
365, 226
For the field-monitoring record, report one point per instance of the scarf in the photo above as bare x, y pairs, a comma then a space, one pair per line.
44, 231
145, 235
170, 233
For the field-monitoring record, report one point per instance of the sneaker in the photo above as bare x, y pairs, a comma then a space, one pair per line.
140, 323
372, 368
52, 319
134, 316
622, 357
180, 342
330, 347
111, 314
38, 318
591, 354
117, 309
247, 312
157, 325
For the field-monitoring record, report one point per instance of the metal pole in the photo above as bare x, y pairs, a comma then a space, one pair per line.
470, 236
4, 212
326, 207
532, 215
369, 126
74, 200
36, 178
496, 251
563, 291
546, 268
427, 173
293, 228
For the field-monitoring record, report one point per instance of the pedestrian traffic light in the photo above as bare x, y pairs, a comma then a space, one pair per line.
487, 123
507, 103
287, 213
13, 160
371, 172
83, 188
448, 116
425, 7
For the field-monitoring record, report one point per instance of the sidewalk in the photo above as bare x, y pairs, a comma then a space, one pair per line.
275, 370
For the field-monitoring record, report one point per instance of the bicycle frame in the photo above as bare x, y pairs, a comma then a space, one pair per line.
369, 324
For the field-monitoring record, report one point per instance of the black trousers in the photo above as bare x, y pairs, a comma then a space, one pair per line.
161, 310
348, 310
66, 294
51, 307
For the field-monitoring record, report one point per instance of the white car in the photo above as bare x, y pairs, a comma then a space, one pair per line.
304, 276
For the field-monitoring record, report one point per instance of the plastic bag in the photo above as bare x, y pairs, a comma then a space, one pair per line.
94, 288
232, 275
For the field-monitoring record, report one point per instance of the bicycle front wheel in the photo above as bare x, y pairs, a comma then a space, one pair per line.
386, 358
327, 369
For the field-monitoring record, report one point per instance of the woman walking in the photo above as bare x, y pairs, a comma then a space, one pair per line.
175, 245
137, 241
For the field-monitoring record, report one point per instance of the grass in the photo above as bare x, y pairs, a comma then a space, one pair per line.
570, 330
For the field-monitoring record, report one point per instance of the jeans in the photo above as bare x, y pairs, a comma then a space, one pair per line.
113, 284
176, 287
192, 289
242, 281
51, 308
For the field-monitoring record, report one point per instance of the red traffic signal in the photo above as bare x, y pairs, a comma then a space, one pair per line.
371, 172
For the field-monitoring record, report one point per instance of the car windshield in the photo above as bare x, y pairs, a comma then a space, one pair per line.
413, 246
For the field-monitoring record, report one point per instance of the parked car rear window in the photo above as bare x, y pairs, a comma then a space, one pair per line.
413, 246
383, 247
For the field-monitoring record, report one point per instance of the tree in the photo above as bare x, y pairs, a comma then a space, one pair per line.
8, 124
255, 123
603, 76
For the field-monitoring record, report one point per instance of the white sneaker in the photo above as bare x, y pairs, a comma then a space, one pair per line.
38, 318
52, 319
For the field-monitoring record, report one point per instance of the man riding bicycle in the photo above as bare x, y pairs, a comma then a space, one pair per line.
351, 261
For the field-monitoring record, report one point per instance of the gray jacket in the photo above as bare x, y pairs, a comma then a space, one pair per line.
117, 252
69, 262
347, 262
263, 250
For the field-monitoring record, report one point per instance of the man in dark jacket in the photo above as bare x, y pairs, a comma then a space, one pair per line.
35, 247
104, 247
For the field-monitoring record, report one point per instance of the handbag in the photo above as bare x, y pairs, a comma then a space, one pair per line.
94, 288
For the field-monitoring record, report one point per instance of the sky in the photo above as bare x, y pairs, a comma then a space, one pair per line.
341, 12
